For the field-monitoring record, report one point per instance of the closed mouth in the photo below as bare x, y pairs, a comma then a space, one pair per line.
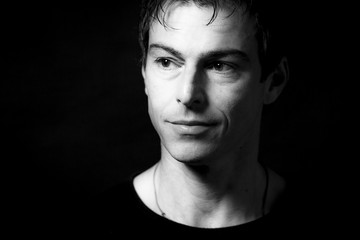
192, 123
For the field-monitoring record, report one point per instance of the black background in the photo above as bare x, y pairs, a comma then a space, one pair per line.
75, 114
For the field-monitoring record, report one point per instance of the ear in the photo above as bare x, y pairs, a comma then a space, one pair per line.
276, 81
143, 75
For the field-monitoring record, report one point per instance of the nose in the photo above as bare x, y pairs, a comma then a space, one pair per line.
191, 89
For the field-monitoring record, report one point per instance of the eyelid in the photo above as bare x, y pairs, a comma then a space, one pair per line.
173, 65
159, 59
228, 64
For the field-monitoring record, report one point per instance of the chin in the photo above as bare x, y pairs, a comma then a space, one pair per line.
191, 153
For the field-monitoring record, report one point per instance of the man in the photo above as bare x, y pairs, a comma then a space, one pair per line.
208, 68
205, 94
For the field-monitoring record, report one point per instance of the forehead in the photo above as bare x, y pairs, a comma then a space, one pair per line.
189, 27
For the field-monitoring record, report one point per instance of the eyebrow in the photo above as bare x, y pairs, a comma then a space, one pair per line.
170, 50
213, 54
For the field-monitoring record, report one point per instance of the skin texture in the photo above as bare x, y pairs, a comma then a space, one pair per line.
205, 99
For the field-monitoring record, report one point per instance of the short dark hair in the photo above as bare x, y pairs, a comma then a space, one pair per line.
269, 32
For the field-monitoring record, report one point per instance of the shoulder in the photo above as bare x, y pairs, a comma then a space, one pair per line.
113, 209
290, 192
124, 207
296, 208
277, 186
143, 185
133, 189
115, 200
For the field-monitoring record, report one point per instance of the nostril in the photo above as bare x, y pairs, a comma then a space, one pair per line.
194, 103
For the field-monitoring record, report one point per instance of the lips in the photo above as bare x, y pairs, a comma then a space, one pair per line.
192, 127
192, 123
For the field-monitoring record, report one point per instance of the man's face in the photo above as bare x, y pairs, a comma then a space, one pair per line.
203, 83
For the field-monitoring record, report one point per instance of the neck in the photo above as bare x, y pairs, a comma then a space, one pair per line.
222, 193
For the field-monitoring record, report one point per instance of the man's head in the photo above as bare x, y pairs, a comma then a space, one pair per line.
204, 75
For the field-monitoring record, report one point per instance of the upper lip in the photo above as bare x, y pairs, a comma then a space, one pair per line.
192, 123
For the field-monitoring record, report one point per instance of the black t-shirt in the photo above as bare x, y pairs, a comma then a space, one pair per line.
119, 212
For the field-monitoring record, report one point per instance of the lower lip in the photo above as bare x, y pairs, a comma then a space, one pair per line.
190, 130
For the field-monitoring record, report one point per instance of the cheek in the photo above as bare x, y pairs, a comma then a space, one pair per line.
159, 96
240, 104
154, 109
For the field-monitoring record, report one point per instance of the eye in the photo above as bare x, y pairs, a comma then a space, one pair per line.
220, 67
166, 63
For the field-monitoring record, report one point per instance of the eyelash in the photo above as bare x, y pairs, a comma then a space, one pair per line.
161, 61
213, 65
